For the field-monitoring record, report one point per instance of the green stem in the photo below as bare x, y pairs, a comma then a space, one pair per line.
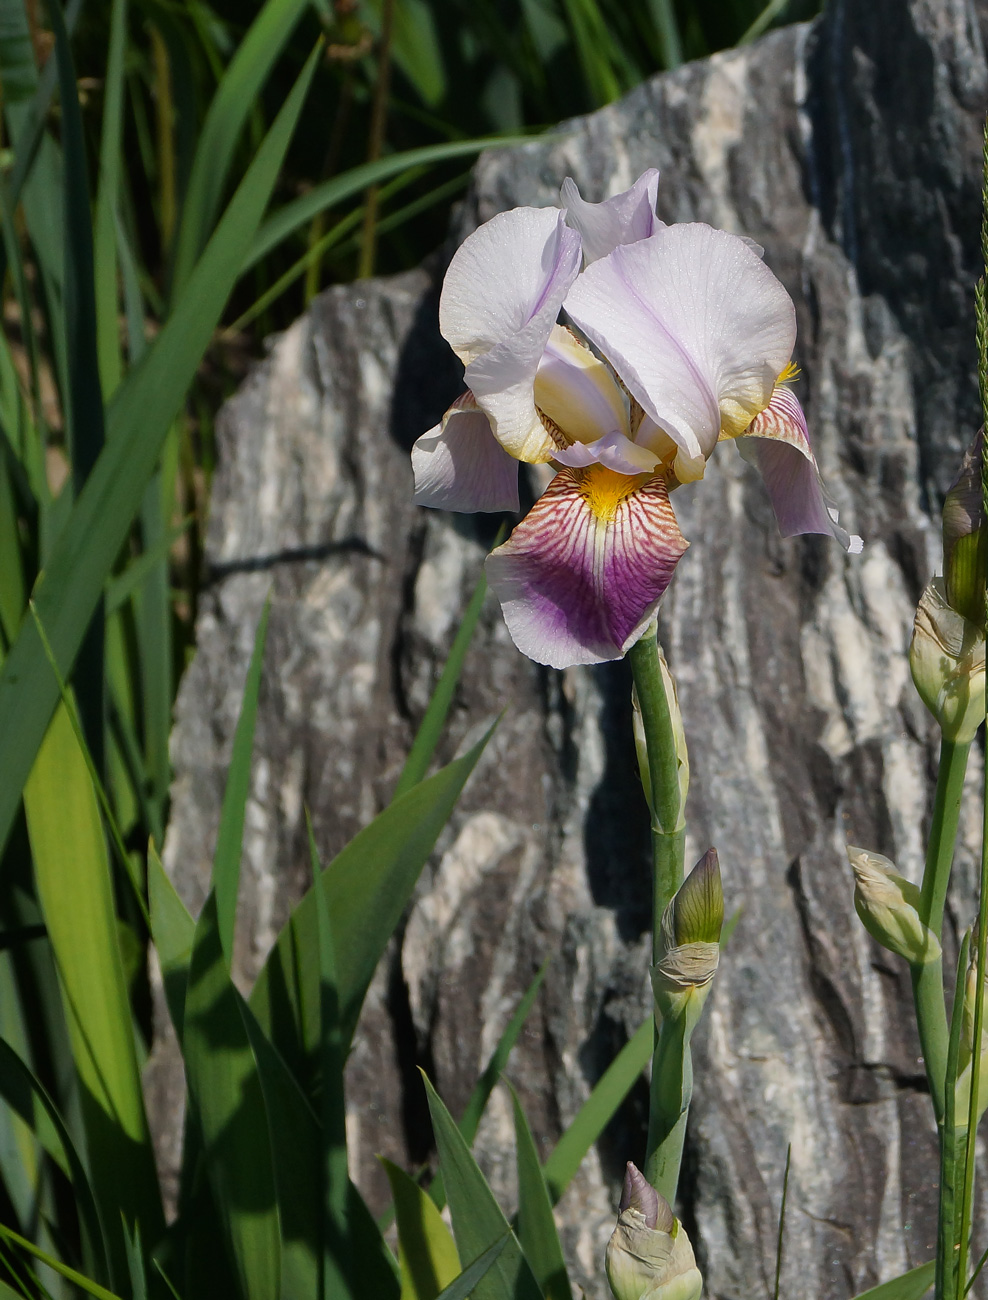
952, 1146
931, 1015
666, 1131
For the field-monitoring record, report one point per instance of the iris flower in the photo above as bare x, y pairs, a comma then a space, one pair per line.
676, 338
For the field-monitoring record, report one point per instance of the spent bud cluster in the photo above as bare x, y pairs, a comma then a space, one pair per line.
888, 906
649, 1256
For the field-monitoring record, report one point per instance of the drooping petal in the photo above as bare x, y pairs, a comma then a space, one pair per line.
787, 464
622, 219
500, 300
615, 450
577, 391
460, 465
695, 325
580, 577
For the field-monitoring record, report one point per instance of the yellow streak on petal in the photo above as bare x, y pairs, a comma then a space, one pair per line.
605, 489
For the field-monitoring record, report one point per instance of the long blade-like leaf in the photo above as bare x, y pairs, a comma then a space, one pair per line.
367, 888
173, 931
139, 418
478, 1221
84, 1283
910, 1286
427, 1252
464, 1286
536, 1225
238, 91
597, 1111
226, 1093
75, 890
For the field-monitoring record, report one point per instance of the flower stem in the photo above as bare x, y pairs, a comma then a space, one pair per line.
665, 1131
931, 1015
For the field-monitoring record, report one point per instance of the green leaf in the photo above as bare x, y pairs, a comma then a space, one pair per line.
249, 68
910, 1286
466, 1283
597, 1111
68, 591
536, 1225
26, 1096
427, 1252
230, 837
360, 1262
434, 718
477, 1218
87, 1284
173, 931
76, 894
414, 47
300, 211
367, 887
104, 233
229, 1104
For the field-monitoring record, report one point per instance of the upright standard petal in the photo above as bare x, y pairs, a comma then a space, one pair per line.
500, 300
695, 325
460, 465
623, 219
788, 466
577, 391
580, 577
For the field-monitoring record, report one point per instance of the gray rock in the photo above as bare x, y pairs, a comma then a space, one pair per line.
851, 150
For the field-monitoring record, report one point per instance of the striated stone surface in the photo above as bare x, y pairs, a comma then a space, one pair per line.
851, 150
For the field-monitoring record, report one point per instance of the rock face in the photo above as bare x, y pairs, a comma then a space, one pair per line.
851, 150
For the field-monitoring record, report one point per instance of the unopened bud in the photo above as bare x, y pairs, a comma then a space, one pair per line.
649, 1256
888, 906
679, 735
690, 940
947, 658
965, 538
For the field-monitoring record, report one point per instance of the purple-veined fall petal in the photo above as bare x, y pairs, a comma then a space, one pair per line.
580, 577
695, 325
792, 478
460, 465
623, 219
500, 300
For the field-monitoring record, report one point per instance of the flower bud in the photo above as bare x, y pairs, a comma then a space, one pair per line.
965, 539
679, 734
649, 1256
888, 907
947, 658
690, 940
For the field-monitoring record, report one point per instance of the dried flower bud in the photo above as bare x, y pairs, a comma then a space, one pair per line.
679, 734
888, 907
965, 539
947, 658
649, 1256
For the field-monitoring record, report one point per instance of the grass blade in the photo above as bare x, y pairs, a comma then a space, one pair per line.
238, 91
597, 1111
427, 1253
84, 1283
478, 1222
910, 1286
173, 931
367, 887
105, 240
230, 838
434, 719
139, 419
782, 1223
301, 211
465, 1285
536, 1225
229, 1104
74, 887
